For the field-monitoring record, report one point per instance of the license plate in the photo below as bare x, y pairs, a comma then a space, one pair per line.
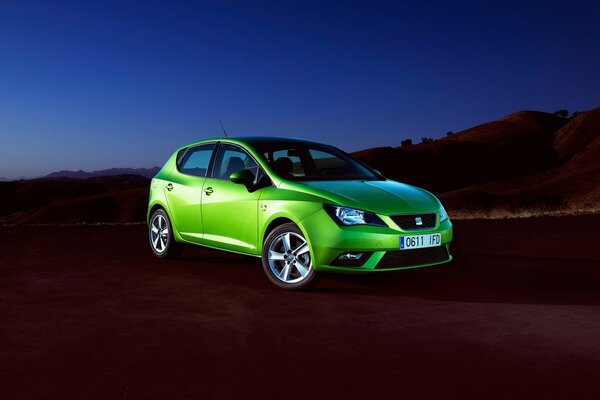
420, 241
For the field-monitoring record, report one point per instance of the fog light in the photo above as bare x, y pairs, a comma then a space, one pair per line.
350, 256
349, 259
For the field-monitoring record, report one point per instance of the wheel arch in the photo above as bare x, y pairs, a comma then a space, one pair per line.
160, 205
278, 221
152, 210
155, 206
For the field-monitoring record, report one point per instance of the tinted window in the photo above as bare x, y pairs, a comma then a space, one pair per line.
328, 164
312, 161
196, 160
296, 163
231, 159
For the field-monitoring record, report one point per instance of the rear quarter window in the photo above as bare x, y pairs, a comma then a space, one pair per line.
195, 160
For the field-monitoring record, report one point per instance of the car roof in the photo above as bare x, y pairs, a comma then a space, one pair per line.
251, 140
267, 139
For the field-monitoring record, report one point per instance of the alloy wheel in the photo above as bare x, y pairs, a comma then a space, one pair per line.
289, 258
159, 233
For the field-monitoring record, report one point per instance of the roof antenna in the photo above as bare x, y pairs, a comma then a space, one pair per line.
222, 127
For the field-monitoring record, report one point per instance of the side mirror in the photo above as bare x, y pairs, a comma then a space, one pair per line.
244, 177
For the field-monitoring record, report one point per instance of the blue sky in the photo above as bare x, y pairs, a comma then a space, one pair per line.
93, 85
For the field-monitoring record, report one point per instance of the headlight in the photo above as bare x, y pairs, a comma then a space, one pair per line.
349, 216
443, 214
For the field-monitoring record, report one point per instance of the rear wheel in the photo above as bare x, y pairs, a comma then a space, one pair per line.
161, 237
286, 258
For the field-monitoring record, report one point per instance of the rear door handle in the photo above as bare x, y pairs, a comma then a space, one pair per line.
208, 191
169, 186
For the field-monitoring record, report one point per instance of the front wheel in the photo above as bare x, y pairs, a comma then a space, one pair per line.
286, 258
161, 236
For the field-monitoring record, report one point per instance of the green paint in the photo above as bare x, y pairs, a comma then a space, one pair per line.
214, 211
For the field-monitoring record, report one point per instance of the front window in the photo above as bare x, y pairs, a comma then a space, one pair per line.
312, 161
230, 159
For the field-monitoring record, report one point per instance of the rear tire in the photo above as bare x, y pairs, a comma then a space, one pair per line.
160, 233
286, 258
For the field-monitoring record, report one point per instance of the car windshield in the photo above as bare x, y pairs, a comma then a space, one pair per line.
301, 161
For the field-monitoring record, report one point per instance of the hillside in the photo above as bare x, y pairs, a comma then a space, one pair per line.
518, 145
145, 172
118, 198
574, 184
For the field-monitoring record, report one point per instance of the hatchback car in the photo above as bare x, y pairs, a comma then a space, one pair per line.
303, 207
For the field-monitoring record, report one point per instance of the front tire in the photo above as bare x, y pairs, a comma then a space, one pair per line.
286, 258
160, 233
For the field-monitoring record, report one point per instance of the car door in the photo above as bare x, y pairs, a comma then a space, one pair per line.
230, 210
184, 191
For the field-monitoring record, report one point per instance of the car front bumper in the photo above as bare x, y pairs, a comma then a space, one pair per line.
380, 245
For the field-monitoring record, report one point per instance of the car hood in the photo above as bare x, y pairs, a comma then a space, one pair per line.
383, 197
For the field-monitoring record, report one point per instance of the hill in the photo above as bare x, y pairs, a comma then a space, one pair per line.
573, 184
518, 145
145, 172
116, 198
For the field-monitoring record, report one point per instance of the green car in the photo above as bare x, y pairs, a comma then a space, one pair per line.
303, 207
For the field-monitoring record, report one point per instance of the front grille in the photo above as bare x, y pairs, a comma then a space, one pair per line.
408, 258
408, 222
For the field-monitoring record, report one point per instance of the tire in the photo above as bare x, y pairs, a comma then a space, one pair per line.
160, 234
286, 258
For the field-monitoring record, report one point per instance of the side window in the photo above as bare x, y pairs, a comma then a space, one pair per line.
196, 160
286, 163
230, 159
296, 163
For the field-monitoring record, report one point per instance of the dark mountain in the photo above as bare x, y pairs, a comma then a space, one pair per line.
574, 184
518, 145
146, 172
115, 198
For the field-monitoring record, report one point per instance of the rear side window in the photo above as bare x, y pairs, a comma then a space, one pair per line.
196, 160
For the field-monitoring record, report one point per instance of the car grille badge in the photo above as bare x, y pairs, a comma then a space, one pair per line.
418, 221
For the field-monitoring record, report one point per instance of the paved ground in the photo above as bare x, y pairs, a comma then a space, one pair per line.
87, 312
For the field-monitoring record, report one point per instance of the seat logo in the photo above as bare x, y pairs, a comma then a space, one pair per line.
418, 221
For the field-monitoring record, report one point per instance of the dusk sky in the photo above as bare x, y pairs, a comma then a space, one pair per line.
93, 85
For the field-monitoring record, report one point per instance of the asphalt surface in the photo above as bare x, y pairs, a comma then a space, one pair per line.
88, 312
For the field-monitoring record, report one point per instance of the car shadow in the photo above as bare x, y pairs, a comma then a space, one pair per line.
517, 280
467, 278
216, 260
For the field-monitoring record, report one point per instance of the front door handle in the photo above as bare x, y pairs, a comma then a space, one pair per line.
208, 191
169, 186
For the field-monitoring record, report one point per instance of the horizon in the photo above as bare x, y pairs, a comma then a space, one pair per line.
150, 167
95, 85
567, 118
